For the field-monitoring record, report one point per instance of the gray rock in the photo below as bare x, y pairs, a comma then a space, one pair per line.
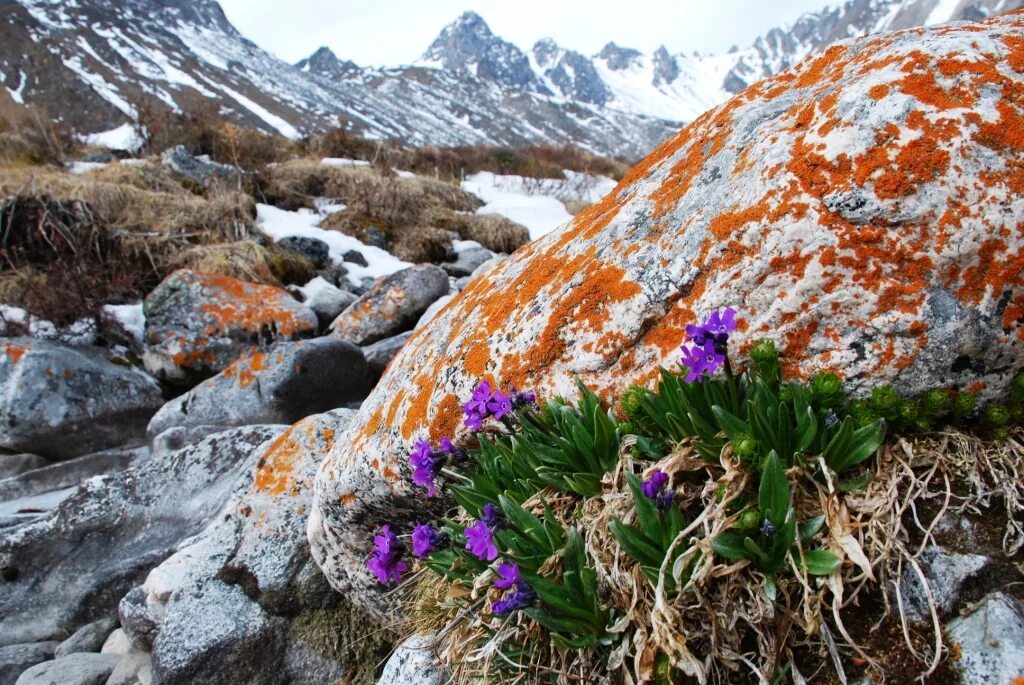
468, 261
138, 620
74, 669
99, 157
223, 603
197, 324
325, 299
16, 659
432, 310
219, 636
76, 563
117, 642
17, 464
61, 401
67, 473
355, 257
379, 354
88, 638
391, 306
991, 641
134, 668
946, 573
412, 664
283, 384
313, 249
206, 173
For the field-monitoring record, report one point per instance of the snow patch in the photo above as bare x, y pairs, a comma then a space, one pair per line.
124, 137
271, 119
278, 224
130, 316
942, 12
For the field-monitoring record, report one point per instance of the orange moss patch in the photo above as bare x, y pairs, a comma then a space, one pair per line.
250, 306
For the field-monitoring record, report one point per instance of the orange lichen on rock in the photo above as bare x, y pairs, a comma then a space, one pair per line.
14, 352
250, 306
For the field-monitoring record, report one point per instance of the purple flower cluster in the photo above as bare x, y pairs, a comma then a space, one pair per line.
386, 562
522, 597
655, 489
480, 535
427, 462
707, 347
426, 540
486, 402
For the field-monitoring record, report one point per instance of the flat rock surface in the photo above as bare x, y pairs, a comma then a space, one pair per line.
990, 641
16, 659
74, 669
60, 401
860, 209
76, 563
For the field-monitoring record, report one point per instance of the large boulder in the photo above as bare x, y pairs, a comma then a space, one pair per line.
392, 305
201, 170
283, 384
75, 669
198, 323
60, 401
224, 608
865, 209
74, 565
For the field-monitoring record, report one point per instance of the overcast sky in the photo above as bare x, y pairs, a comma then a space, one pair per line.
389, 32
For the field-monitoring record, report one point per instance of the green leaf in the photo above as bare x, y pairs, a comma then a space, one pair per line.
730, 546
756, 553
820, 562
855, 484
526, 522
770, 588
731, 425
773, 493
810, 527
646, 510
635, 544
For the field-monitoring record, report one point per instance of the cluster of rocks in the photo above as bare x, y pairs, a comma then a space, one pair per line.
155, 480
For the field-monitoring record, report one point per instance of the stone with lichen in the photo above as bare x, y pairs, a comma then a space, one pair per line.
197, 323
863, 209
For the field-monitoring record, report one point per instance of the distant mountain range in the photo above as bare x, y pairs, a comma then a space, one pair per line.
90, 63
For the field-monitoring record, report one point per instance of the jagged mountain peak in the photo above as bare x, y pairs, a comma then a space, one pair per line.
617, 57
326, 63
467, 46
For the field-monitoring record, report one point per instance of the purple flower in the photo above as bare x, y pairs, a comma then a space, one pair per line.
474, 422
386, 562
425, 540
522, 399
655, 483
508, 575
520, 599
426, 466
499, 405
693, 359
492, 516
654, 489
721, 324
480, 541
712, 358
697, 334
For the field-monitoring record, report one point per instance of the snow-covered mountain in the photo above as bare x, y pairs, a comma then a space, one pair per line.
94, 63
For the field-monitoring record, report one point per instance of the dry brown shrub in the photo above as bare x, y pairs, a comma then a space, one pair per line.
150, 175
248, 260
574, 207
419, 244
495, 232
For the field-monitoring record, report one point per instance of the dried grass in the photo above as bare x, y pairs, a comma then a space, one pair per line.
721, 628
248, 260
493, 231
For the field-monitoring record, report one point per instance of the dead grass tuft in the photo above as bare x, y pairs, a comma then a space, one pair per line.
248, 260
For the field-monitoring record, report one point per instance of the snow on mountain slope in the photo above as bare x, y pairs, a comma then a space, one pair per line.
109, 58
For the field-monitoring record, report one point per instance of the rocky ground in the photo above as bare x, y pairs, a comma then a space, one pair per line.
188, 484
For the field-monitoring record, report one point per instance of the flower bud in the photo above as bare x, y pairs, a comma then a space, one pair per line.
744, 446
885, 402
938, 401
965, 404
827, 388
764, 352
749, 519
996, 415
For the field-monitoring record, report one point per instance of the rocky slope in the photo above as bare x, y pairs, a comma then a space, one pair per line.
469, 87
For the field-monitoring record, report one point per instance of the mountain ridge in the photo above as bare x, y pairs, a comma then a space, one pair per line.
469, 87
